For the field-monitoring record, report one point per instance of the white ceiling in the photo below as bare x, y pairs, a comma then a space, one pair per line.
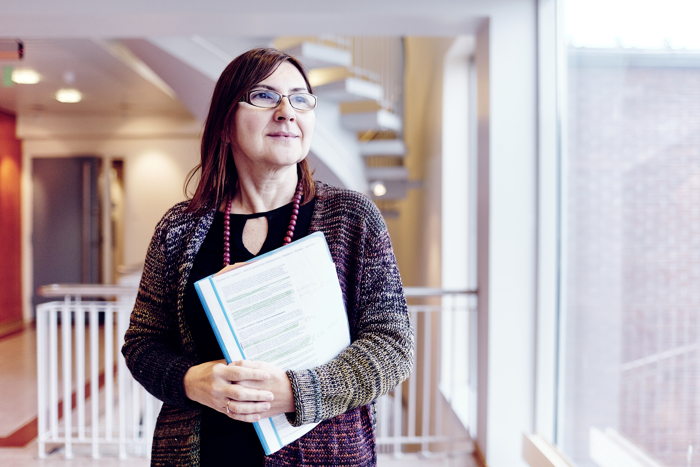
109, 86
138, 18
61, 37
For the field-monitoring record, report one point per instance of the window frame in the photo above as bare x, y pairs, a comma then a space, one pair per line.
550, 217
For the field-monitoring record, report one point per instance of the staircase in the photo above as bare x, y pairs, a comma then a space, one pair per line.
368, 89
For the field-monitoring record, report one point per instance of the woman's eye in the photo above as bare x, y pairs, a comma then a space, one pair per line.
300, 99
263, 96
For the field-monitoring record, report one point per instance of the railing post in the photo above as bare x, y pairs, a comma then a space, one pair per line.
127, 395
437, 317
412, 386
383, 416
135, 409
473, 346
41, 352
80, 366
453, 387
66, 353
109, 372
425, 421
53, 372
122, 399
94, 379
398, 409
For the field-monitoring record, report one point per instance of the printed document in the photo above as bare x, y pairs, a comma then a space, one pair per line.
284, 308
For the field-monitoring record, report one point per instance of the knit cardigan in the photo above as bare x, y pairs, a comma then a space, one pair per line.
159, 348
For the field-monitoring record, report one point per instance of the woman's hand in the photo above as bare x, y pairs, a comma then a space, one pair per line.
214, 384
278, 384
246, 390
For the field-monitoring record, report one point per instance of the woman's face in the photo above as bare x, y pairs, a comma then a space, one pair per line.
273, 138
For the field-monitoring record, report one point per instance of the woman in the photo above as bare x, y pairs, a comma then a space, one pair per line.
256, 193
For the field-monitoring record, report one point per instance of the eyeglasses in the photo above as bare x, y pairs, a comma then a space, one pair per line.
267, 99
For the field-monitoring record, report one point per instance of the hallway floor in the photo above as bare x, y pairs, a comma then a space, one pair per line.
18, 399
27, 456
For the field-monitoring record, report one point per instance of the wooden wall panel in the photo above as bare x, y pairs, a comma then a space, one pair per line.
10, 222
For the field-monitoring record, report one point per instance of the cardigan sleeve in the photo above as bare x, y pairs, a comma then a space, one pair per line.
152, 347
382, 354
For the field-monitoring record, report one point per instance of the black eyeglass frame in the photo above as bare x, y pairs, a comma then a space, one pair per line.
246, 99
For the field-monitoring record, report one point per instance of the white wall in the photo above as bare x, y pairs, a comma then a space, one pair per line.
507, 270
456, 229
157, 152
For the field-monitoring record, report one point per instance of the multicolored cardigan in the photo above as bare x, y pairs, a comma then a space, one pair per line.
159, 348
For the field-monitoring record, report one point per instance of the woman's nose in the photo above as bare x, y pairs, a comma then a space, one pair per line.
285, 111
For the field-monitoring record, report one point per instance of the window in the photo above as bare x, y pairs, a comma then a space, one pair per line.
629, 307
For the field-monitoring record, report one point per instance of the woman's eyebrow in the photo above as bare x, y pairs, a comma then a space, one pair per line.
265, 86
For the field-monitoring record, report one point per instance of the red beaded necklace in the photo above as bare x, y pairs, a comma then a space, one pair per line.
296, 202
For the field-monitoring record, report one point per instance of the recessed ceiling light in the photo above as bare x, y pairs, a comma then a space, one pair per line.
68, 96
25, 77
378, 188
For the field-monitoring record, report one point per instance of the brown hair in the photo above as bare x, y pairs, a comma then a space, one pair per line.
219, 177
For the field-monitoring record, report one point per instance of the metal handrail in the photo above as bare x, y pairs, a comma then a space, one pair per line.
113, 290
436, 292
88, 290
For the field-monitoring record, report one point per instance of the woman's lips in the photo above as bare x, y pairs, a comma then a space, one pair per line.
282, 134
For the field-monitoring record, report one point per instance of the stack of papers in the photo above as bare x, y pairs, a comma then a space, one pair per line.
284, 308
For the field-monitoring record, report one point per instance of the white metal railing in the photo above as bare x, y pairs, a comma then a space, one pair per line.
420, 415
426, 413
79, 401
377, 59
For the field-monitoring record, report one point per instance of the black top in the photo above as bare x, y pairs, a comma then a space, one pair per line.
221, 437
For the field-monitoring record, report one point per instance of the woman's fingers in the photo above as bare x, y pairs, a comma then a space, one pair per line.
229, 268
241, 393
244, 371
246, 408
246, 411
277, 384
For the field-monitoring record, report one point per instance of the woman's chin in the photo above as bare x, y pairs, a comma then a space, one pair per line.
282, 160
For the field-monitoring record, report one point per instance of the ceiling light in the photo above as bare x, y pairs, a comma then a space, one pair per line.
378, 189
25, 77
68, 96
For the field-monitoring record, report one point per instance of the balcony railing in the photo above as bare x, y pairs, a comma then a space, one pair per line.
123, 416
424, 414
429, 413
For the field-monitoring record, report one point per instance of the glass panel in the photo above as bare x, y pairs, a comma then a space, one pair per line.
630, 363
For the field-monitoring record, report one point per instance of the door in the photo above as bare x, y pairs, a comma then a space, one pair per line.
66, 235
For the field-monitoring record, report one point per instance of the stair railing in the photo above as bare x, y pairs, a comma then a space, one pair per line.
377, 59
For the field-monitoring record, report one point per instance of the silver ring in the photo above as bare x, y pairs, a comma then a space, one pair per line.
227, 408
